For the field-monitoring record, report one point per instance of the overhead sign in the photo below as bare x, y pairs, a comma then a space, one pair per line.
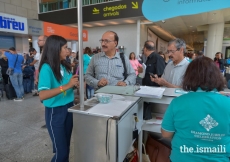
67, 32
35, 27
157, 10
112, 10
13, 24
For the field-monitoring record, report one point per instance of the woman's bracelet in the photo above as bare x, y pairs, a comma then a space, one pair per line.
61, 89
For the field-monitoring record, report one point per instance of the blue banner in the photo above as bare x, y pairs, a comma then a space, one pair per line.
157, 10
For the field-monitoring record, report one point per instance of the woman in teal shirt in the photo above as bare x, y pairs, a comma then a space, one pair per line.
199, 122
55, 88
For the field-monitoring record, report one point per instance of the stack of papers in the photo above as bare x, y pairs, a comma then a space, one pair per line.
151, 92
157, 119
142, 75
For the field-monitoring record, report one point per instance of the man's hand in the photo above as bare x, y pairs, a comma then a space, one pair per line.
103, 82
23, 66
140, 69
120, 83
160, 81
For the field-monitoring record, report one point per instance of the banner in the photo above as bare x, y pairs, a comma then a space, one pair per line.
157, 10
67, 32
162, 45
35, 27
13, 24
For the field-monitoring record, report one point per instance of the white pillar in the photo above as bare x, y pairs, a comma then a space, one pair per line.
68, 44
35, 43
138, 37
215, 39
74, 46
25, 45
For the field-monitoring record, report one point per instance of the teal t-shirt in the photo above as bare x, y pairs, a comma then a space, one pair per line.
48, 81
200, 122
86, 61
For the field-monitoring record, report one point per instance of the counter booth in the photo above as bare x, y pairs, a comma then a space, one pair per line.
106, 132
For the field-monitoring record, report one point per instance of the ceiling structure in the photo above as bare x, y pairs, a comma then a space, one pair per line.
193, 28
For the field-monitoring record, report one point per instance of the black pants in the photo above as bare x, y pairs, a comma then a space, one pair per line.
5, 78
59, 123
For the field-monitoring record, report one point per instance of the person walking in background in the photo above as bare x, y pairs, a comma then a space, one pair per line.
15, 62
34, 65
41, 42
219, 61
4, 67
134, 62
191, 56
28, 73
167, 59
55, 88
86, 61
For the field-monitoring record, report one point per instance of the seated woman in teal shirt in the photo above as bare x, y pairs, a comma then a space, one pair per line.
199, 122
55, 88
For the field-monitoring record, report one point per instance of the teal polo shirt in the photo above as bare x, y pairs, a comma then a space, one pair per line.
201, 125
48, 81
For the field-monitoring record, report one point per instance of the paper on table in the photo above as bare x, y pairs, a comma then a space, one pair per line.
154, 121
114, 108
152, 92
142, 75
157, 119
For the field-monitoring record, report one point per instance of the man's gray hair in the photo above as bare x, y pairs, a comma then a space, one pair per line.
178, 44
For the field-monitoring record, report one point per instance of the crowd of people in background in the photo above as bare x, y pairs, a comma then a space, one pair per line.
30, 64
27, 67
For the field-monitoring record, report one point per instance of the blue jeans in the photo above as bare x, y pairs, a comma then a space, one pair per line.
90, 91
17, 82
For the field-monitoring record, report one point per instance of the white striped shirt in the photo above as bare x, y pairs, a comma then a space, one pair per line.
112, 69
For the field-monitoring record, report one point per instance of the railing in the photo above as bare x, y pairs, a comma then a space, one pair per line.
51, 5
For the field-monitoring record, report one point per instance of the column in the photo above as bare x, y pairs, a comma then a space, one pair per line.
74, 46
35, 43
25, 45
138, 37
215, 39
69, 44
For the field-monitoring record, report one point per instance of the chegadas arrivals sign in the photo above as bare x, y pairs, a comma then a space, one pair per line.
157, 10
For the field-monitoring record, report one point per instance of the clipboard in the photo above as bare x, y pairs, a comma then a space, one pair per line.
121, 90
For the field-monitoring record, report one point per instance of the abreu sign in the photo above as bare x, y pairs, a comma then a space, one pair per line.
13, 24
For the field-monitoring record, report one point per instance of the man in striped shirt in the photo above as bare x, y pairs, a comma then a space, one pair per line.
106, 68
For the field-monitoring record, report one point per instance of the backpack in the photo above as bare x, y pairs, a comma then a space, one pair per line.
28, 72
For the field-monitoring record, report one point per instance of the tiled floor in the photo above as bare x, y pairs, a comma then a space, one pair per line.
21, 137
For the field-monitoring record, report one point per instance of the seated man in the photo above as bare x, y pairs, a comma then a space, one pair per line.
174, 71
106, 68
